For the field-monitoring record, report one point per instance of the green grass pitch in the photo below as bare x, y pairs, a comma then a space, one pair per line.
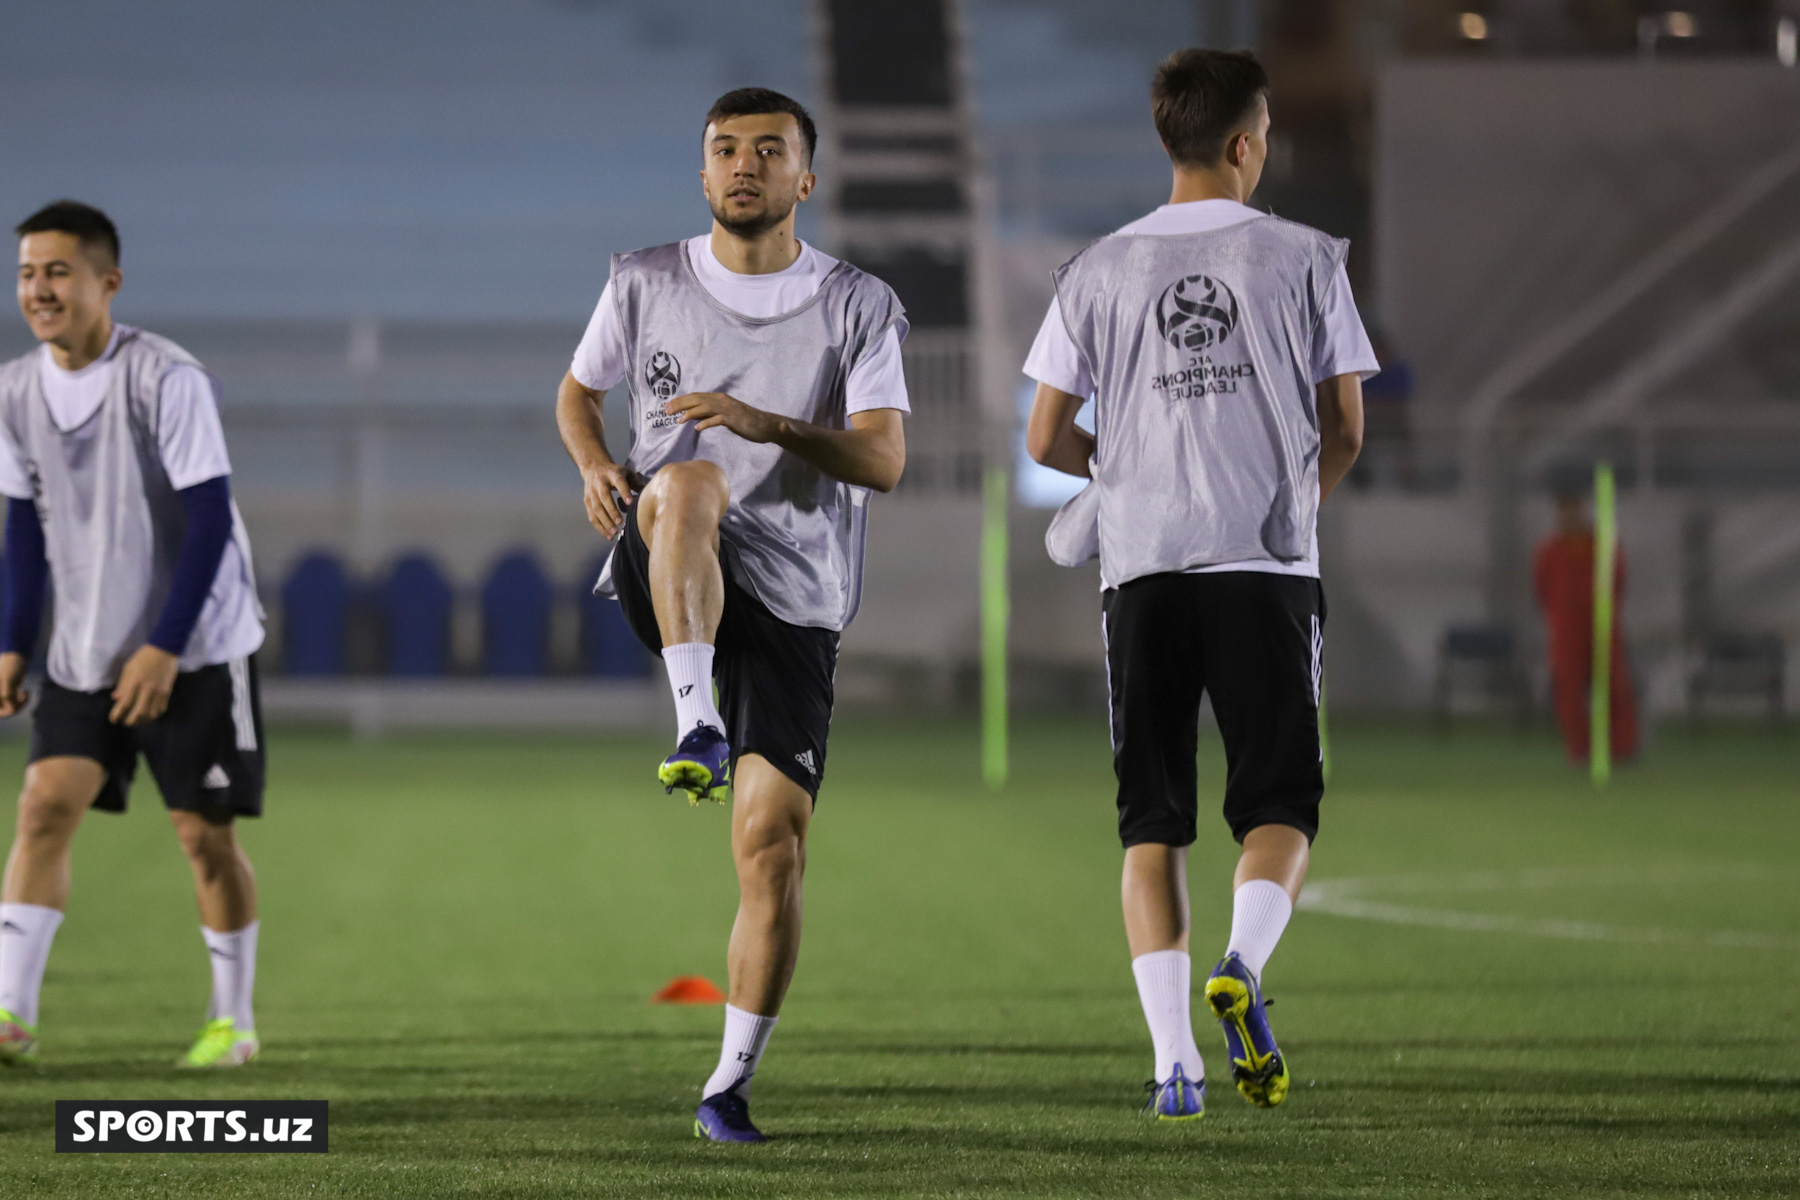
1569, 992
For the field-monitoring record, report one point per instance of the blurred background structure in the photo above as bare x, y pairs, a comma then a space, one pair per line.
1576, 228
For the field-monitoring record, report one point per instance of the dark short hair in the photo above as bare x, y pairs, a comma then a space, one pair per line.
754, 101
87, 224
1201, 97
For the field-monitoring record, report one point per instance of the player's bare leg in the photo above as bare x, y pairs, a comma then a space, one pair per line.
1277, 853
57, 794
225, 888
224, 881
768, 844
1267, 882
678, 517
1155, 896
769, 820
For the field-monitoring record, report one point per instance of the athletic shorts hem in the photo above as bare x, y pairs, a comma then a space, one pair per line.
1302, 819
1152, 837
205, 752
794, 771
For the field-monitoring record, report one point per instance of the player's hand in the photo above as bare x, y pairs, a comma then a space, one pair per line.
605, 510
12, 684
144, 686
707, 410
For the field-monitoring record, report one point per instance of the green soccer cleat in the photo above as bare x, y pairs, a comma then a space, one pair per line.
18, 1041
222, 1044
700, 766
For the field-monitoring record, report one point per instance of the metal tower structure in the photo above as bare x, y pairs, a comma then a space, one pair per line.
906, 200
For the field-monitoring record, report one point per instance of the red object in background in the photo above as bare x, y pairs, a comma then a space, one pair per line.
1563, 576
689, 989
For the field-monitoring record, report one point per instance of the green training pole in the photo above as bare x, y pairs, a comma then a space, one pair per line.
995, 604
1606, 541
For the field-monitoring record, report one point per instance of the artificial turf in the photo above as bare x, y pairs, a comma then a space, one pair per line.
461, 934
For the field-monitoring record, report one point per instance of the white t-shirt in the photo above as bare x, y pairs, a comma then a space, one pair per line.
1340, 344
191, 444
876, 381
190, 441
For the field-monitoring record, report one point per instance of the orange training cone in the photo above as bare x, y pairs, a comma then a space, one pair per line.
689, 989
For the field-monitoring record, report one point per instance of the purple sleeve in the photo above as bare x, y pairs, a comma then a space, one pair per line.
208, 507
26, 571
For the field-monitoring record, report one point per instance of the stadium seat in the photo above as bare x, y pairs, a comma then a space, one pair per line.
608, 647
515, 617
1741, 664
1488, 653
415, 604
314, 603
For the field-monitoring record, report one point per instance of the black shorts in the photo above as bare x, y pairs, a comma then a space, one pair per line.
775, 679
1252, 641
205, 752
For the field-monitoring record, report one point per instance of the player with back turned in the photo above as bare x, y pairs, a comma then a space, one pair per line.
118, 494
1225, 358
766, 402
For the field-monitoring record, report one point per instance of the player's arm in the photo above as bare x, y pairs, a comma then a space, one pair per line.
148, 677
579, 419
1051, 435
27, 570
871, 453
1340, 428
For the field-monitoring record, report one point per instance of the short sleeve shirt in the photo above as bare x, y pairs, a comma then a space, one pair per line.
876, 379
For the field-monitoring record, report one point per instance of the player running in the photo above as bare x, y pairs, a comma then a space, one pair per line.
118, 493
1225, 358
766, 401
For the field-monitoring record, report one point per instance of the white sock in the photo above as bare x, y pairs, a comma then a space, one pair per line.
1163, 980
746, 1037
26, 931
690, 678
1259, 912
233, 958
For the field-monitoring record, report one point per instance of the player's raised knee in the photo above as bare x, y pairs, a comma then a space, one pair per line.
694, 481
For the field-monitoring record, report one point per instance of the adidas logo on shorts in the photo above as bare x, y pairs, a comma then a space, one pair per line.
216, 778
805, 758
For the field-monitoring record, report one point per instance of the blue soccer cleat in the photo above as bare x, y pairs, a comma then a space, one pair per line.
1256, 1063
1177, 1098
725, 1117
700, 766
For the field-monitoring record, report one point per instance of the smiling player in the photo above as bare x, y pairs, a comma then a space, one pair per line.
118, 492
766, 401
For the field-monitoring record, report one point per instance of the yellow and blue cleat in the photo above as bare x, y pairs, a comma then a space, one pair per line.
700, 766
1256, 1062
221, 1044
18, 1041
1176, 1098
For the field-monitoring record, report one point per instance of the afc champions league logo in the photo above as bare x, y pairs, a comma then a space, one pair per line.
663, 374
1196, 313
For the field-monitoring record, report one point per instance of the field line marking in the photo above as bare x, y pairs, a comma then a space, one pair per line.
1350, 898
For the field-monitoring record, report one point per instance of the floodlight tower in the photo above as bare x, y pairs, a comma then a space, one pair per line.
905, 199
